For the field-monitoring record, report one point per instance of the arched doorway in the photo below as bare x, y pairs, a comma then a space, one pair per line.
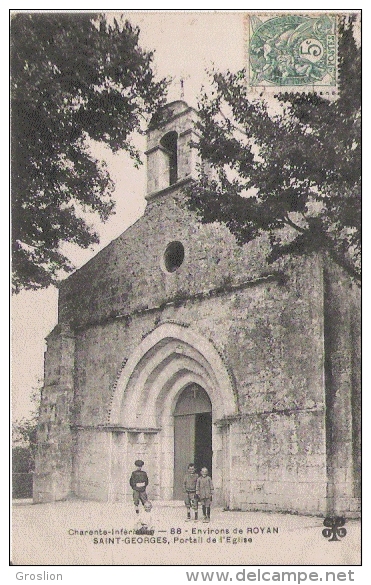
192, 434
148, 398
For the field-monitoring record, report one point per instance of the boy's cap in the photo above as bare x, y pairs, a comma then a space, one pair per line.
139, 463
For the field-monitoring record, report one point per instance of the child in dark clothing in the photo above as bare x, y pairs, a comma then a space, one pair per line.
138, 482
190, 499
204, 491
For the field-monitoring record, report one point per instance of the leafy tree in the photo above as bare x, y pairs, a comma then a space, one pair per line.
24, 434
289, 168
22, 461
75, 78
24, 451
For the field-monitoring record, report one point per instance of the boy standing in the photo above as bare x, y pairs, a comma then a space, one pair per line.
204, 491
138, 482
190, 500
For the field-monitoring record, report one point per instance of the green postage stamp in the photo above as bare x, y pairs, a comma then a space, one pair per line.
294, 52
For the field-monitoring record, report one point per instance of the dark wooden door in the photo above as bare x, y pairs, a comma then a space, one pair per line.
203, 445
184, 443
192, 434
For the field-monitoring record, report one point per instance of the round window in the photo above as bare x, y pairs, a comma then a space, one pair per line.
174, 256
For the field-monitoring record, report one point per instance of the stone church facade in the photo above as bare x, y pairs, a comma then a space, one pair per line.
173, 345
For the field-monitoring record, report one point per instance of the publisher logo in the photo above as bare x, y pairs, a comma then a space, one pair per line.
334, 528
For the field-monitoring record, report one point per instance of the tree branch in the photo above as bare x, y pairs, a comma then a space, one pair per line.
289, 222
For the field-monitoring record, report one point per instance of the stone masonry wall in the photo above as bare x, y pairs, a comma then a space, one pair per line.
266, 321
54, 458
128, 275
262, 331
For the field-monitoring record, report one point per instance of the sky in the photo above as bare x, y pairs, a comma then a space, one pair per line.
186, 44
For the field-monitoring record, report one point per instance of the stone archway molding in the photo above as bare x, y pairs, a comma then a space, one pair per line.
169, 358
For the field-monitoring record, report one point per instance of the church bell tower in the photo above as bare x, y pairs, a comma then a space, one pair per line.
171, 160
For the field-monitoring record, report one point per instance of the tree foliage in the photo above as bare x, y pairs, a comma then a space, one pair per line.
290, 168
74, 77
24, 436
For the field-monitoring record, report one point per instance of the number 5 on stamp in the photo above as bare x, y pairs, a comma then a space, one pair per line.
292, 52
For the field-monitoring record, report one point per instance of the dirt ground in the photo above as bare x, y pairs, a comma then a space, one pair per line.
96, 533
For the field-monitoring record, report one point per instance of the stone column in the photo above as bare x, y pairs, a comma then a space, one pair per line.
166, 470
120, 467
158, 176
53, 466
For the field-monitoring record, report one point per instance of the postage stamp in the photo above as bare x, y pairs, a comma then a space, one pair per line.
293, 52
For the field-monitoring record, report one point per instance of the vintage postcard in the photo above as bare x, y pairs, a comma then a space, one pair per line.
186, 370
